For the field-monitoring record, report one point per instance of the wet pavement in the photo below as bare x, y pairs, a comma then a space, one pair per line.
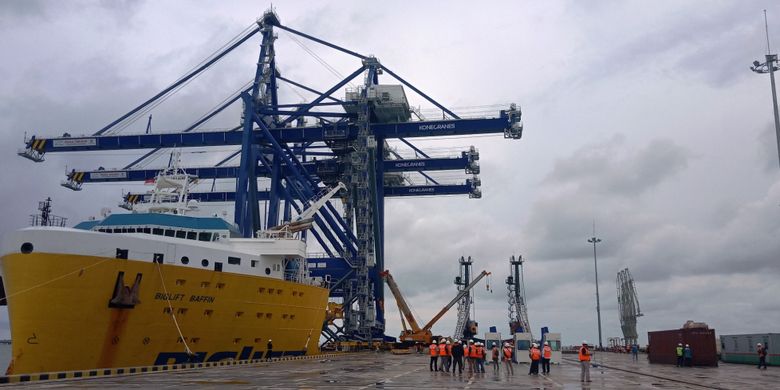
387, 371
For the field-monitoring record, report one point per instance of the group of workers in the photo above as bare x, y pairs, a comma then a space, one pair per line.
448, 355
684, 355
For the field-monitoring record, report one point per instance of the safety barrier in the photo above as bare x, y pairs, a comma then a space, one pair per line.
103, 372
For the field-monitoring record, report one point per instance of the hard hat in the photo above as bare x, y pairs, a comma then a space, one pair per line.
584, 342
687, 345
269, 340
506, 344
759, 344
679, 344
546, 343
448, 342
471, 341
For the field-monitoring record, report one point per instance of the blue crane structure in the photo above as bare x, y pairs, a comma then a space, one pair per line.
349, 137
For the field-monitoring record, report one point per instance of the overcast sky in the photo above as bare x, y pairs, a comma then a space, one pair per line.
641, 116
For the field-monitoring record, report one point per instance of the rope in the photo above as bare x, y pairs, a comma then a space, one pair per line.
173, 315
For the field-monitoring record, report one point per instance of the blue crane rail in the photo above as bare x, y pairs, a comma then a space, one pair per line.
325, 166
466, 188
35, 147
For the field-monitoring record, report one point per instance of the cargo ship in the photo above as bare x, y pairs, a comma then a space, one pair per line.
158, 287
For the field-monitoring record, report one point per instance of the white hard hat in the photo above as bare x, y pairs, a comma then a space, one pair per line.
687, 345
471, 341
680, 344
759, 344
448, 342
506, 344
584, 341
269, 340
546, 343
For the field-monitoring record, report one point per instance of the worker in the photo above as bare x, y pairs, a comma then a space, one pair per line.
457, 357
535, 356
687, 356
495, 354
480, 357
584, 357
442, 354
434, 350
508, 359
472, 356
761, 350
546, 356
679, 352
269, 349
635, 352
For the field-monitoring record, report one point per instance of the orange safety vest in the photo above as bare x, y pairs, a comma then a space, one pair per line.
584, 354
507, 353
535, 354
473, 352
449, 350
434, 349
443, 350
547, 352
466, 350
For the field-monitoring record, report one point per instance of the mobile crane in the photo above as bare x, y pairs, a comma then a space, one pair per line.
417, 334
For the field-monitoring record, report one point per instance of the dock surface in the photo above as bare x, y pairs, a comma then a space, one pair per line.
372, 370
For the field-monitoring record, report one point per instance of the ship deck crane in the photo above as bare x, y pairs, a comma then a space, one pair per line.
424, 334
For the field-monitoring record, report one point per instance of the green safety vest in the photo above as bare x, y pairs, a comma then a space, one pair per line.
679, 351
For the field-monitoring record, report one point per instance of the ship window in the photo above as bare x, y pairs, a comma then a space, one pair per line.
254, 263
279, 291
218, 266
117, 230
195, 340
208, 312
268, 315
192, 235
157, 231
257, 340
121, 253
205, 284
261, 290
27, 248
295, 293
234, 260
148, 230
204, 263
292, 316
185, 260
181, 311
180, 282
220, 285
267, 271
181, 234
300, 294
131, 230
259, 315
204, 236
169, 233
239, 314
166, 310
236, 340
284, 316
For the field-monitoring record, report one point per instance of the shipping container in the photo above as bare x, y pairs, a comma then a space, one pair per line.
663, 345
741, 348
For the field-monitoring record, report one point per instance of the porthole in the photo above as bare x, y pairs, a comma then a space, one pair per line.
185, 260
204, 263
267, 271
27, 248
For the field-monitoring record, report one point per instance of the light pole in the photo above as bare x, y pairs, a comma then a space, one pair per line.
770, 66
595, 241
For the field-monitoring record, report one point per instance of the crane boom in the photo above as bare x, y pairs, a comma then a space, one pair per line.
399, 299
460, 295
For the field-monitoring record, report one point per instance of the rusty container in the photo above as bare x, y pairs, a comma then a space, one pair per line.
663, 346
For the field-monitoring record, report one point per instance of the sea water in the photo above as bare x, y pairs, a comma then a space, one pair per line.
5, 357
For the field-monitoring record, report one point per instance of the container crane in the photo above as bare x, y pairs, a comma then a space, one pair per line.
417, 334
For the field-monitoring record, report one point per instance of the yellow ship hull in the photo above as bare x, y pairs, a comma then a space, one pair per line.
58, 306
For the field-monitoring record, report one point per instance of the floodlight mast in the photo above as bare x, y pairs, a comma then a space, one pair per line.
770, 66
